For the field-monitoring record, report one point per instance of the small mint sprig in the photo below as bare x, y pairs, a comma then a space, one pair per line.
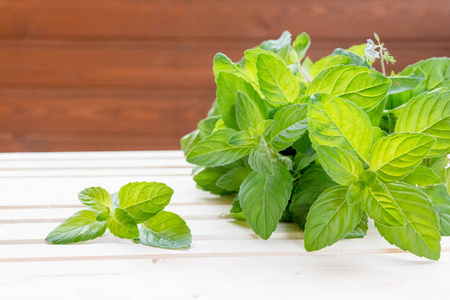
138, 203
377, 51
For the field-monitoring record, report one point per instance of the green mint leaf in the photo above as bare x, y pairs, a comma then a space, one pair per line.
263, 199
207, 180
207, 126
343, 167
327, 62
236, 210
309, 187
437, 72
359, 50
95, 198
378, 133
104, 215
80, 227
438, 165
379, 205
441, 202
243, 138
260, 159
356, 192
248, 114
428, 113
330, 219
422, 176
277, 82
289, 124
251, 57
189, 141
280, 46
396, 155
232, 179
228, 85
365, 87
420, 235
404, 82
141, 200
355, 59
165, 230
300, 46
223, 63
329, 124
122, 225
360, 230
215, 151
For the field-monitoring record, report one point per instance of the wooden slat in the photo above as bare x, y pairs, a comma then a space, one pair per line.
150, 64
335, 276
49, 214
224, 19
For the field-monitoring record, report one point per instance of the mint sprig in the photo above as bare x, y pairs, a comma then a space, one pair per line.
329, 144
136, 202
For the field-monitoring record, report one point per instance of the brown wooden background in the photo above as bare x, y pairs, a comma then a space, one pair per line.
136, 75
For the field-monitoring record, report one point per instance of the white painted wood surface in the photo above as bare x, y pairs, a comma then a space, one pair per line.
226, 260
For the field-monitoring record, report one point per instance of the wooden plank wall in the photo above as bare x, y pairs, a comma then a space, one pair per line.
136, 75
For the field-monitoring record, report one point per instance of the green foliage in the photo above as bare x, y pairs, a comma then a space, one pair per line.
263, 199
428, 113
121, 212
329, 144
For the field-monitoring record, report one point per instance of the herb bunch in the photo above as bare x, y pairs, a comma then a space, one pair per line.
329, 144
136, 203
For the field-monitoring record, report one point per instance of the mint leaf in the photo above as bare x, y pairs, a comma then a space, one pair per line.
309, 187
327, 62
276, 80
330, 219
122, 225
422, 176
300, 46
396, 155
263, 199
81, 226
360, 85
289, 124
420, 235
437, 75
232, 180
223, 63
260, 159
141, 200
441, 202
207, 126
428, 113
207, 180
343, 167
248, 114
360, 230
329, 124
215, 151
380, 205
96, 198
165, 230
189, 141
280, 46
228, 85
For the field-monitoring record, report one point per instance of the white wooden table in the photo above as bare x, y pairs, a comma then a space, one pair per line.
226, 260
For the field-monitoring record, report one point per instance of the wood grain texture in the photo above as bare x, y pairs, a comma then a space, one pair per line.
136, 75
224, 19
224, 253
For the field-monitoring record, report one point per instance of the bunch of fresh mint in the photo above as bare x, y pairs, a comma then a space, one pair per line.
136, 203
329, 144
